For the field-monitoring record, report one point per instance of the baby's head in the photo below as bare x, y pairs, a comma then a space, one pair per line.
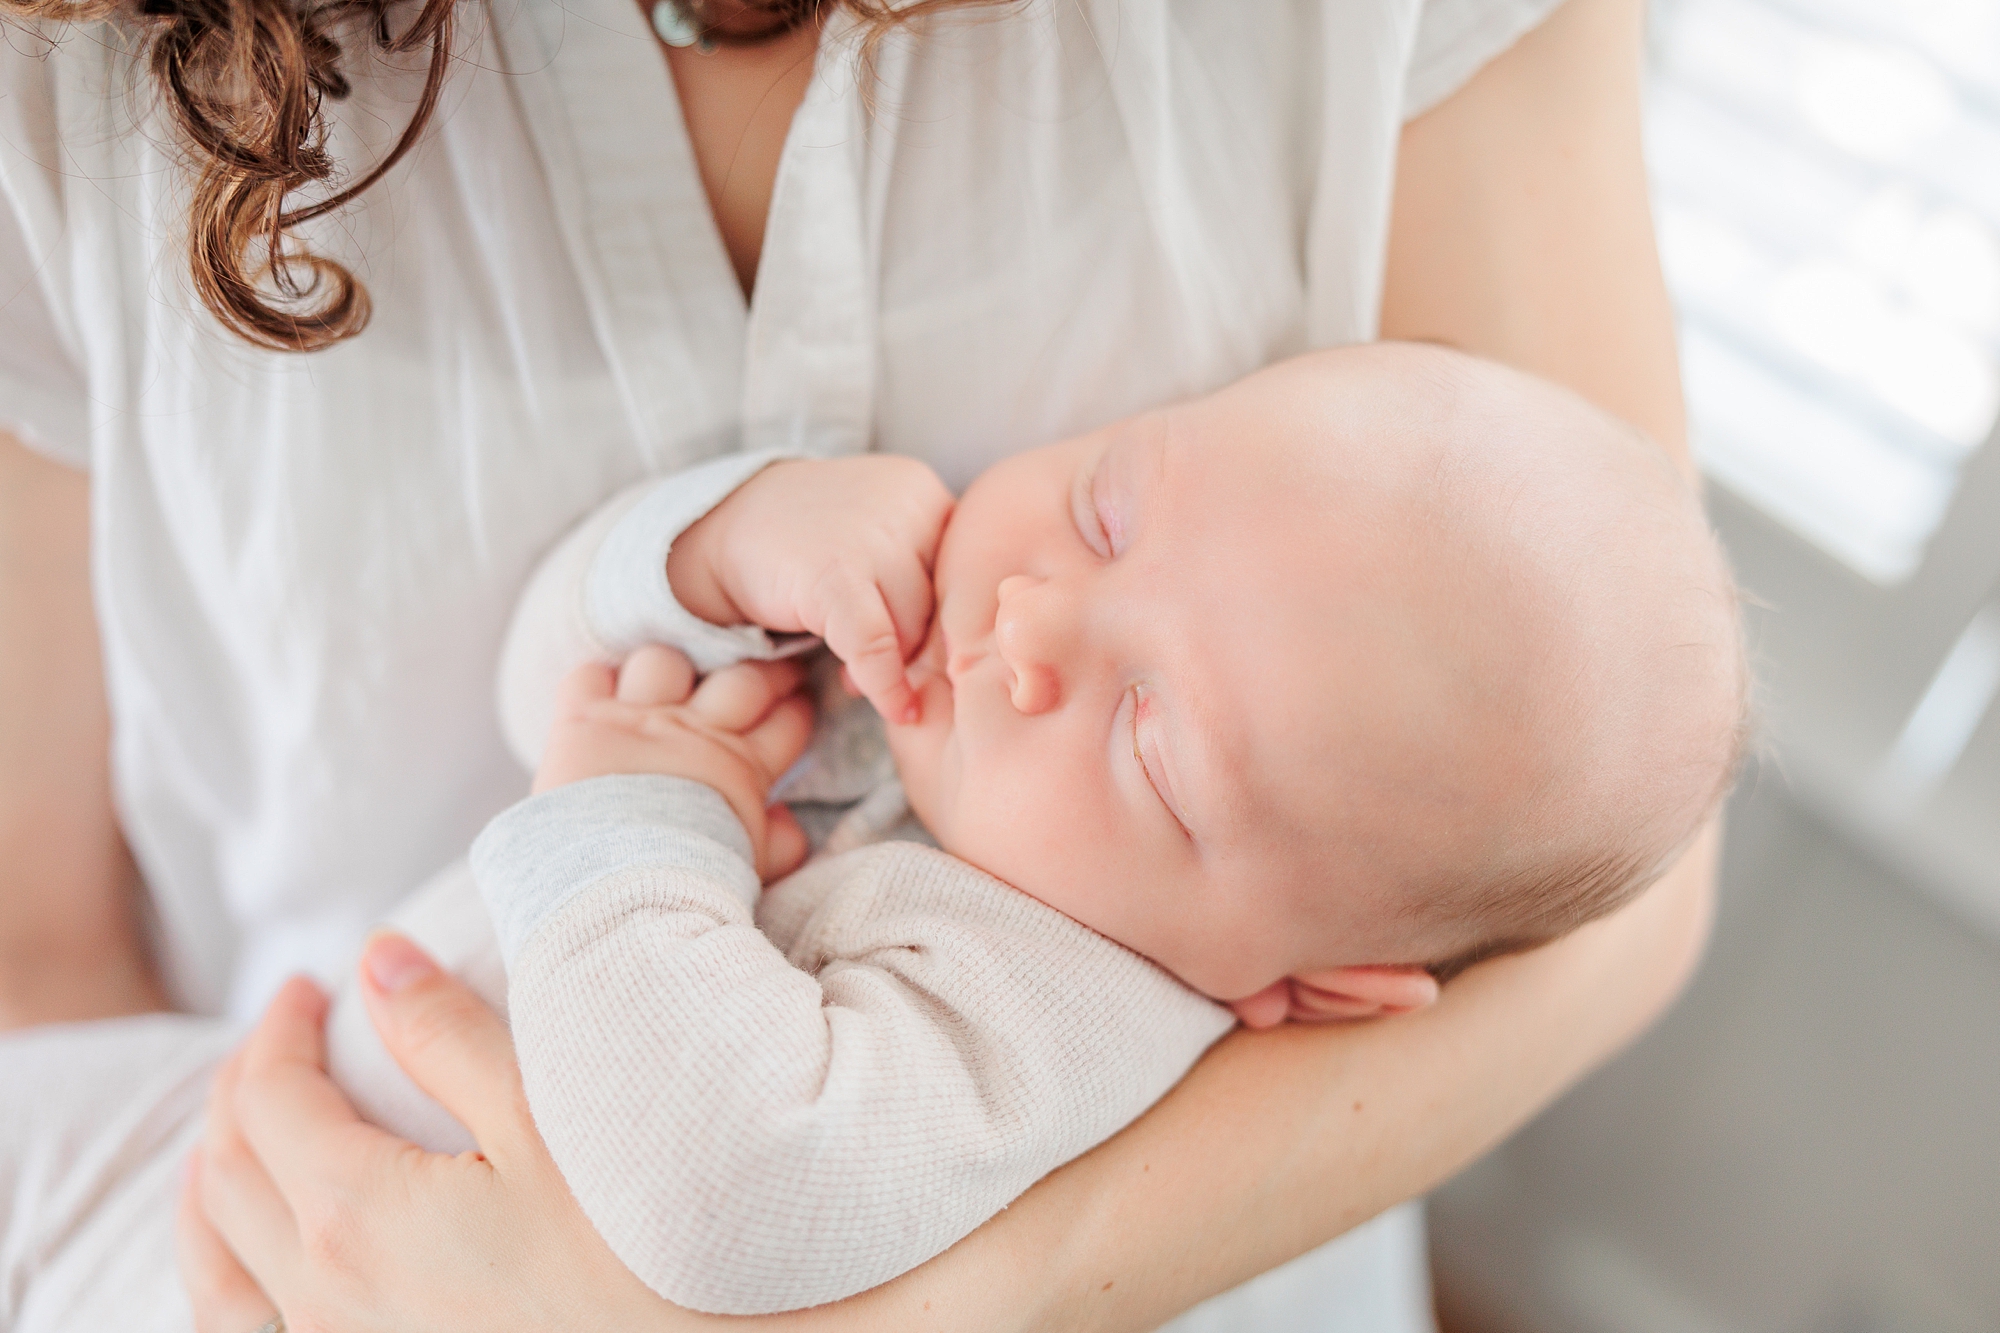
1376, 661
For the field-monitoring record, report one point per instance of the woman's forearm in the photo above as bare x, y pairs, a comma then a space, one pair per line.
1307, 1136
1279, 1141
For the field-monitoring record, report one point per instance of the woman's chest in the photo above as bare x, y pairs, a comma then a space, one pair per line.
999, 234
1007, 237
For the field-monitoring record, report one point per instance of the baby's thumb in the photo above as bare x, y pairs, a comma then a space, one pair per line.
446, 1039
785, 846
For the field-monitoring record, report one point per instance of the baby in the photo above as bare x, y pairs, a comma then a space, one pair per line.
1287, 701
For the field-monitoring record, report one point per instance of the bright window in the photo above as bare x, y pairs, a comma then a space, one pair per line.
1827, 185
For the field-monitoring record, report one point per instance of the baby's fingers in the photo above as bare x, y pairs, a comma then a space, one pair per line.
785, 845
867, 626
655, 674
738, 697
779, 740
590, 683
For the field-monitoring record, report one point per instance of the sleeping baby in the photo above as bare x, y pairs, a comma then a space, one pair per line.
1280, 704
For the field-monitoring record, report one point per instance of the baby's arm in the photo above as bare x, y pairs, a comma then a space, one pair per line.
752, 1135
710, 558
605, 590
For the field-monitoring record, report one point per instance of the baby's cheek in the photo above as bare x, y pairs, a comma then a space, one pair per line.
918, 750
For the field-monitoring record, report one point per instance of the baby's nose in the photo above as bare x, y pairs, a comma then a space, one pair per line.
1031, 637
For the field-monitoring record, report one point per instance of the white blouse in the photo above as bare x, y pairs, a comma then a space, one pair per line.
1028, 225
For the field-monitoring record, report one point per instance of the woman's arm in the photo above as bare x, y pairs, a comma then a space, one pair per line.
351, 1230
1522, 229
1521, 232
69, 938
1282, 1140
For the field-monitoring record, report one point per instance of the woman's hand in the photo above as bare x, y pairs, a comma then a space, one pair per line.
293, 1203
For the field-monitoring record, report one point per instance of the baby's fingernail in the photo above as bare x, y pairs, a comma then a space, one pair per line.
393, 962
913, 712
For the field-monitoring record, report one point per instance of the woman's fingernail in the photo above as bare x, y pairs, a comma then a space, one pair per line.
393, 962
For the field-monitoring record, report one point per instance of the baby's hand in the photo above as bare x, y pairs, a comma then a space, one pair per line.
736, 732
839, 547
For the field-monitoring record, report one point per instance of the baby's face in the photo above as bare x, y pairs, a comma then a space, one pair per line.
1134, 711
1275, 681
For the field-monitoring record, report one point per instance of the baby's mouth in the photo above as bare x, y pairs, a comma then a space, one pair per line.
933, 655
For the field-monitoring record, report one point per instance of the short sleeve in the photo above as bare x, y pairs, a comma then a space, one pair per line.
43, 399
1455, 38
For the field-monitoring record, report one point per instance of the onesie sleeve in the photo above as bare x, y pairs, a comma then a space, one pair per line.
603, 591
43, 398
1456, 38
754, 1132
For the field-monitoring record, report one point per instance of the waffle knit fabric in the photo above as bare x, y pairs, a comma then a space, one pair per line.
768, 1105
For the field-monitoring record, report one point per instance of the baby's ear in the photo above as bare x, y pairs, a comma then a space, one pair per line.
1360, 992
1267, 1008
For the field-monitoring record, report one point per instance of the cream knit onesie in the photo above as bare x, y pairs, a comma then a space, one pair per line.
762, 1101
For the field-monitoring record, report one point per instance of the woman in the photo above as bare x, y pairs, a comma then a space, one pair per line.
1000, 227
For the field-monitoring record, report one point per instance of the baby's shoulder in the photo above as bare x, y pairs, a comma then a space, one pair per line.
985, 953
906, 895
836, 894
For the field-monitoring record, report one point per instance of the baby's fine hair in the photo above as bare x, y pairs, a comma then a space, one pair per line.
1536, 905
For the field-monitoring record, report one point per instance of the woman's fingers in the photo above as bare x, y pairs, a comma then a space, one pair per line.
236, 1193
226, 1299
737, 697
447, 1039
287, 1109
655, 674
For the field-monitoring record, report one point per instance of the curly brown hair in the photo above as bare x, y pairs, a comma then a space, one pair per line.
246, 82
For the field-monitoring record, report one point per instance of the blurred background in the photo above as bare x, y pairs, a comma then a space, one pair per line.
1810, 1143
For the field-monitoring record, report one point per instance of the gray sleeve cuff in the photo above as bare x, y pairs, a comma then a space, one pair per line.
536, 857
627, 601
